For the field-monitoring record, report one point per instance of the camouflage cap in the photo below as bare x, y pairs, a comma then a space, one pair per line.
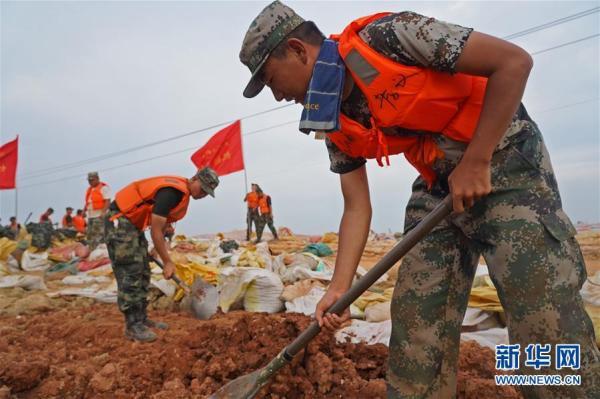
91, 175
265, 33
209, 180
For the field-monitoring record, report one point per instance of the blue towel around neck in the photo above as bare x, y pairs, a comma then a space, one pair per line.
324, 96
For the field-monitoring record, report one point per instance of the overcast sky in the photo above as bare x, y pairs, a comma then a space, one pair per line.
84, 79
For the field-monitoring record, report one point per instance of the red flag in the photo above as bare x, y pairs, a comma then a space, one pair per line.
223, 152
8, 164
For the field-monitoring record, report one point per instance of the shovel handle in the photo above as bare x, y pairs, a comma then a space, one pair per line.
441, 211
179, 282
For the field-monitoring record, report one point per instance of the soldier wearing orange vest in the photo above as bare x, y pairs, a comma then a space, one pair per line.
449, 99
97, 200
266, 216
79, 222
252, 216
67, 220
154, 202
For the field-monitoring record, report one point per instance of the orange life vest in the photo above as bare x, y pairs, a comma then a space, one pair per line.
263, 204
252, 199
95, 195
65, 223
136, 200
409, 97
79, 223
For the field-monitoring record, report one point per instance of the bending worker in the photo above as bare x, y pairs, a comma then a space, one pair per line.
449, 98
154, 202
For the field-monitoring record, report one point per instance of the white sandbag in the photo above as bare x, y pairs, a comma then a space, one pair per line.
262, 249
298, 273
83, 278
26, 282
100, 252
363, 331
299, 289
32, 261
167, 287
106, 295
379, 311
12, 264
590, 292
307, 304
489, 338
259, 289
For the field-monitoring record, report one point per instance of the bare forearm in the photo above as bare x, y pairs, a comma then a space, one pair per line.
353, 234
160, 244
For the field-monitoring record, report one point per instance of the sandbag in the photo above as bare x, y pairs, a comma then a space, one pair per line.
86, 265
7, 246
100, 252
378, 311
319, 249
258, 289
299, 289
363, 331
32, 261
26, 282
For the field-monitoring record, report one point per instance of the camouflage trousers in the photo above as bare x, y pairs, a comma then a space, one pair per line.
534, 261
128, 252
95, 232
252, 217
266, 220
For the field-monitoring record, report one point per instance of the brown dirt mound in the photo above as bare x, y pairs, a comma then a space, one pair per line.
81, 353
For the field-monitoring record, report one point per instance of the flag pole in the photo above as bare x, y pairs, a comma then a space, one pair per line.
16, 185
243, 159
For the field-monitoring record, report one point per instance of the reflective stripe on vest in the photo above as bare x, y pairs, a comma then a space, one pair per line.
407, 97
95, 195
136, 200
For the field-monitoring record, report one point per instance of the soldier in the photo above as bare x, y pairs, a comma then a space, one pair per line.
67, 220
266, 215
97, 200
443, 95
45, 217
154, 202
252, 215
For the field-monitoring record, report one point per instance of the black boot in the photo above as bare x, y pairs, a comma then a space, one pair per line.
151, 323
136, 330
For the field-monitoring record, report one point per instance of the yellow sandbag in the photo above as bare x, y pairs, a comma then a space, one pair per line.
369, 298
7, 246
188, 271
249, 258
485, 298
330, 238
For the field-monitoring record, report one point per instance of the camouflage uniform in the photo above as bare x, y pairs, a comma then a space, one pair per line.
41, 234
128, 251
95, 232
520, 229
266, 219
253, 217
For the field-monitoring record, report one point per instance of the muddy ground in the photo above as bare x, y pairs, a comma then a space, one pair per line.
81, 353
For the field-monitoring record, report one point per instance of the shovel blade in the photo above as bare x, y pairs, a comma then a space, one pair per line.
244, 387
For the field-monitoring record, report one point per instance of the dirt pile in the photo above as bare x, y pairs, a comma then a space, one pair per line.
82, 353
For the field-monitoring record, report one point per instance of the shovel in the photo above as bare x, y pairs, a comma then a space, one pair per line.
201, 298
248, 385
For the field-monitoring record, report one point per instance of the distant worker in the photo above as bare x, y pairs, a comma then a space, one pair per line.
67, 220
252, 216
97, 200
79, 222
266, 216
13, 226
154, 202
45, 217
